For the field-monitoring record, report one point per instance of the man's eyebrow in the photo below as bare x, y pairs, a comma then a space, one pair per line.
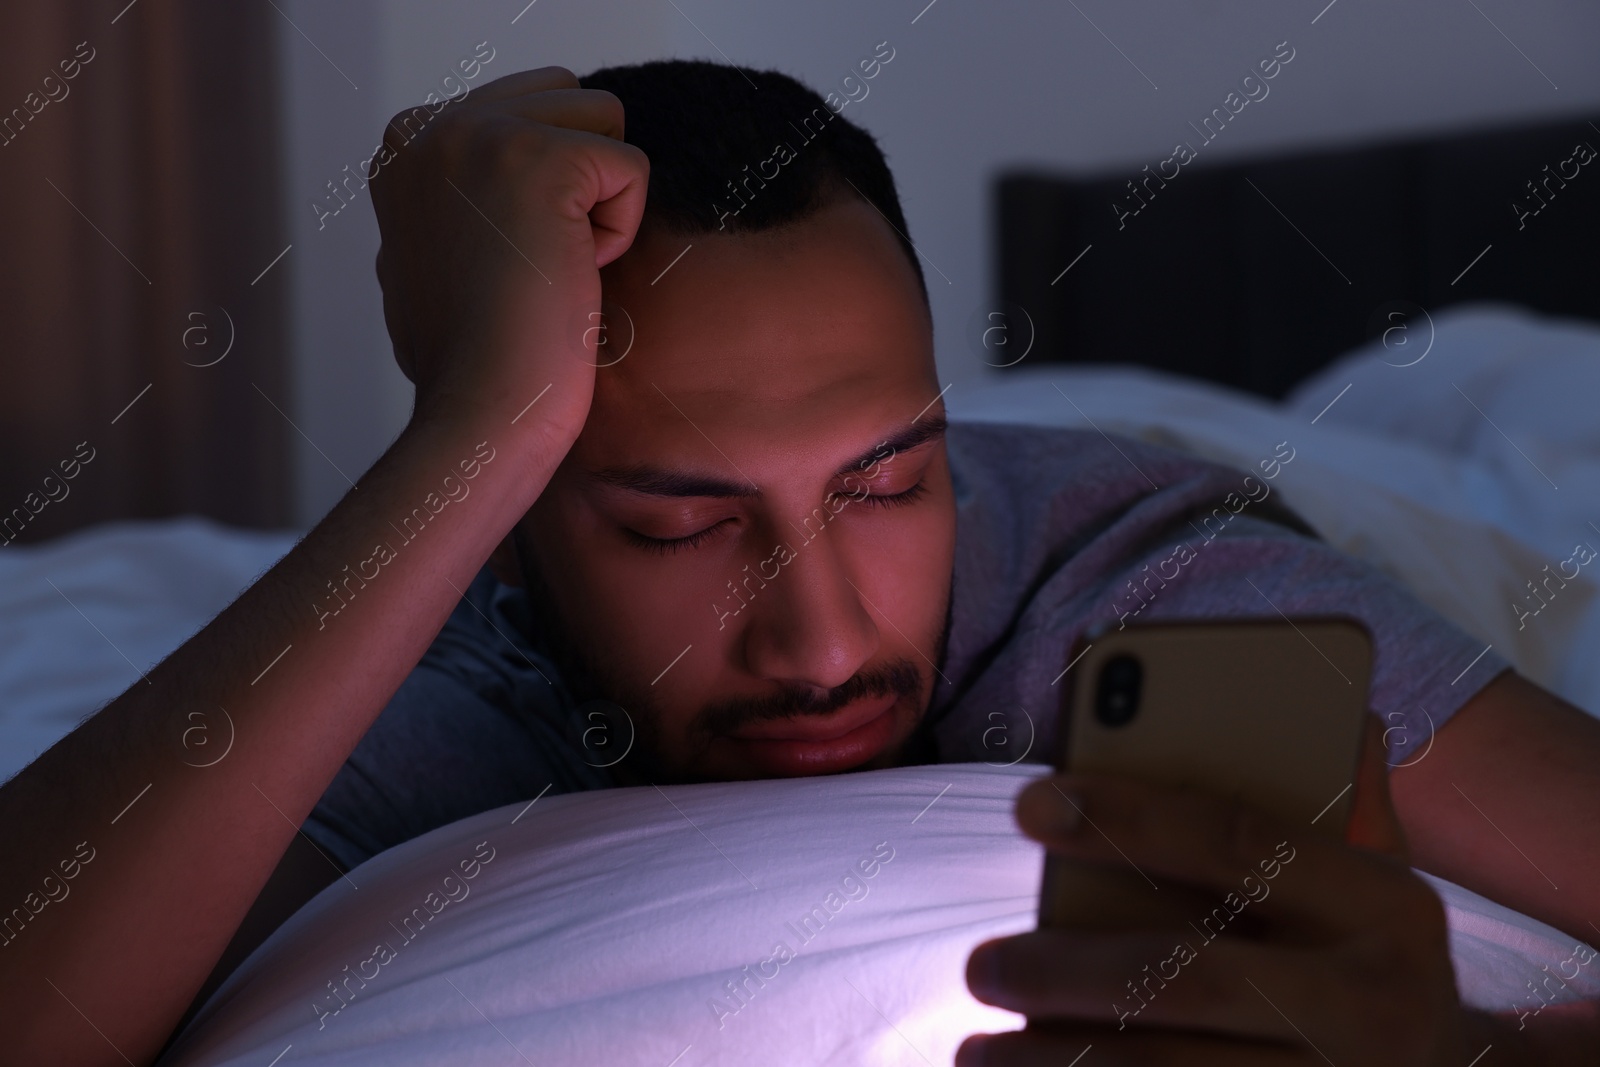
918, 433
664, 481
668, 482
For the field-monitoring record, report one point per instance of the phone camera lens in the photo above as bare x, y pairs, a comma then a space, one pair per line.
1117, 695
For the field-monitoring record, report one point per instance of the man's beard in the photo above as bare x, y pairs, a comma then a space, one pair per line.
615, 716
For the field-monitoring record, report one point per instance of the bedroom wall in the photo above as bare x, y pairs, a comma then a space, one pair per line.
1089, 87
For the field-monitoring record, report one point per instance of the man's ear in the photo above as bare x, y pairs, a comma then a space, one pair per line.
503, 562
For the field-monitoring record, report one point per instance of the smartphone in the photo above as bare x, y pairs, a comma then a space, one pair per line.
1269, 711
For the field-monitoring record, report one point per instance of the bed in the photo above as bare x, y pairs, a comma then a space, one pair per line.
646, 923
1453, 446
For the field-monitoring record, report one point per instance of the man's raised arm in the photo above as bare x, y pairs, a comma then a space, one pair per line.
129, 866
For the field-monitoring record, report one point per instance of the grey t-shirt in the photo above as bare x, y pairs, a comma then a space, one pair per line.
1055, 530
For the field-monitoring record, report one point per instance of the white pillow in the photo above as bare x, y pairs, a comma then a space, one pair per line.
605, 927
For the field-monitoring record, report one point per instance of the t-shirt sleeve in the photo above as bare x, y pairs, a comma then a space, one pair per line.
1424, 667
475, 726
1063, 531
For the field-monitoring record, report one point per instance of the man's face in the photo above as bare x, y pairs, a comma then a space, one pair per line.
749, 547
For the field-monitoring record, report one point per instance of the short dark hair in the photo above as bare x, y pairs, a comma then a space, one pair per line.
707, 127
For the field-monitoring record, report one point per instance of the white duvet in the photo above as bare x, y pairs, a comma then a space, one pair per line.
605, 926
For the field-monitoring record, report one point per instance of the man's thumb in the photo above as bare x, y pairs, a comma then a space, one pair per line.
1373, 821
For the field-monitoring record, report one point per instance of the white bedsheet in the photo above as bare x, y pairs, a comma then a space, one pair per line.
83, 615
607, 926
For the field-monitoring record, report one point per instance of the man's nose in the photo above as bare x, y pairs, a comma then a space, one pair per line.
810, 624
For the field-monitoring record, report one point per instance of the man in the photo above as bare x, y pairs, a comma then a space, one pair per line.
748, 545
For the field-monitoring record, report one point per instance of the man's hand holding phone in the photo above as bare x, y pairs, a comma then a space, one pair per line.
1337, 954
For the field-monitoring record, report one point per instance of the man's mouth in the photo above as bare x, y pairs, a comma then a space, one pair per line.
819, 744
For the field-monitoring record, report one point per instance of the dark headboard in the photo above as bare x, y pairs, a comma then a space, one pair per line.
1257, 273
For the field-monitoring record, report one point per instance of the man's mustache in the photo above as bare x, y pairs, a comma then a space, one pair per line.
899, 677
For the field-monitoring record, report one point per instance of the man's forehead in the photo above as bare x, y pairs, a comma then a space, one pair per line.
753, 312
753, 351
763, 392
746, 344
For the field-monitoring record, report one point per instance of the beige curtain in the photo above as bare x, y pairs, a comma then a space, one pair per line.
138, 208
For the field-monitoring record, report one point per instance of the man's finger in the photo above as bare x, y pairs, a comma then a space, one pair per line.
1374, 824
406, 125
1182, 979
1055, 1046
585, 110
523, 82
590, 110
